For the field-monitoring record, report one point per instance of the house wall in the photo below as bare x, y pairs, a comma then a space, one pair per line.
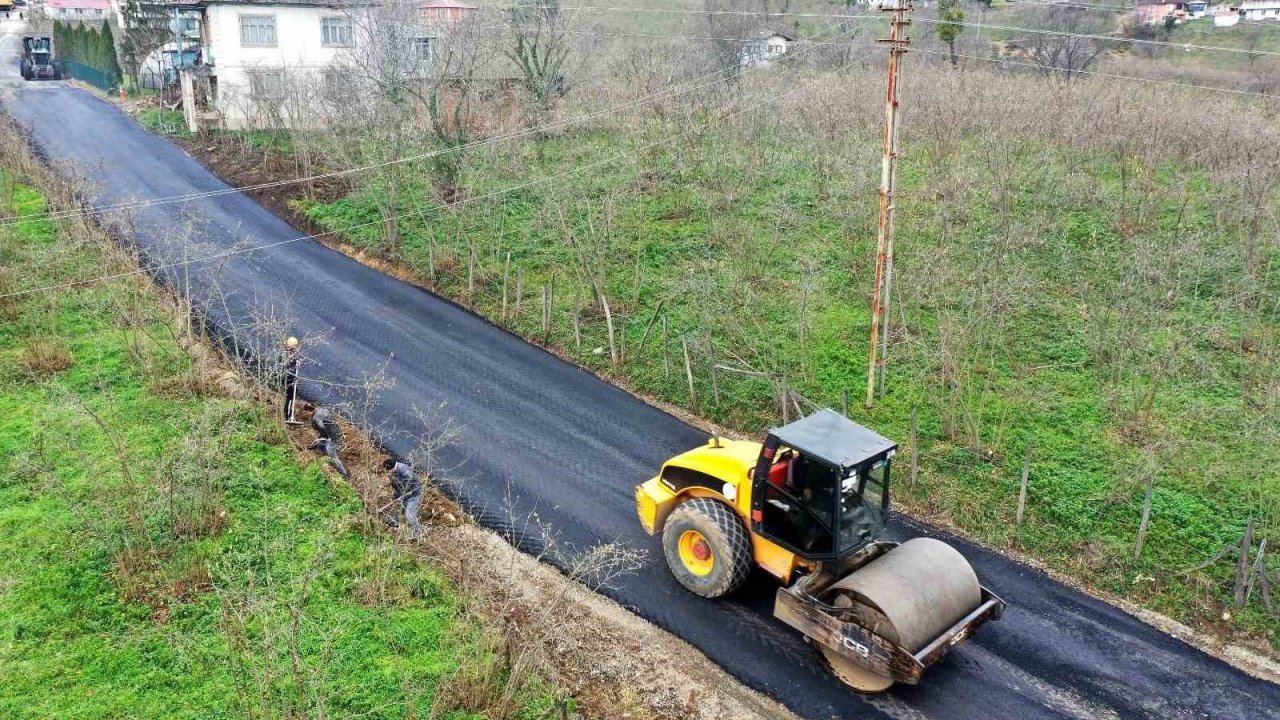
298, 53
76, 14
1154, 14
1260, 11
446, 15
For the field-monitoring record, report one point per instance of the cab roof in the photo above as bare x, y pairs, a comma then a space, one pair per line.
834, 438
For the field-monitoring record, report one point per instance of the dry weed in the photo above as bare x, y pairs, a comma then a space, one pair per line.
46, 356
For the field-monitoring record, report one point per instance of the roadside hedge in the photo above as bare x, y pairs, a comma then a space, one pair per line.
79, 43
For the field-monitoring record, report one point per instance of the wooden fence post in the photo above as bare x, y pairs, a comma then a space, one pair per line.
471, 267
519, 292
666, 355
608, 321
551, 304
1259, 572
542, 294
577, 317
915, 446
688, 372
1022, 484
1242, 565
506, 273
622, 340
647, 328
784, 392
1146, 516
715, 384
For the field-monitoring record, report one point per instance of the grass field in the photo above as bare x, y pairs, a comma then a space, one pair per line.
1096, 298
162, 552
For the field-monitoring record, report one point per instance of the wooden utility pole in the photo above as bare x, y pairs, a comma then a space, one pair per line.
897, 42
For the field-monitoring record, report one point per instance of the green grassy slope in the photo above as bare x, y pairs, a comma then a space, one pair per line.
170, 558
1044, 294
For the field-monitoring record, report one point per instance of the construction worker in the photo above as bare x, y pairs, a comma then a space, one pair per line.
330, 434
408, 491
290, 378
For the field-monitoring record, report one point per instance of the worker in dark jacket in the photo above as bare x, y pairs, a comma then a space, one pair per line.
329, 432
408, 491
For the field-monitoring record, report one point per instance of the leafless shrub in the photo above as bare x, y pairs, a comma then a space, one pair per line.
192, 479
266, 621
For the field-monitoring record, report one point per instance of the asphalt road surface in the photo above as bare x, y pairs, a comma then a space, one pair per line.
543, 439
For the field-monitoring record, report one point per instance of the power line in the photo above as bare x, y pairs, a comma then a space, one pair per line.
1107, 38
437, 206
1096, 73
688, 86
1113, 76
678, 11
1120, 9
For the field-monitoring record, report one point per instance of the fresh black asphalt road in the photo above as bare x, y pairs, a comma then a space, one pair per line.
542, 438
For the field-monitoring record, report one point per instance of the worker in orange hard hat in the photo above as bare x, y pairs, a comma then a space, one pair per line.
290, 377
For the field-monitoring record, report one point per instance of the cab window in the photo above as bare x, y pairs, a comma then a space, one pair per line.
863, 503
799, 503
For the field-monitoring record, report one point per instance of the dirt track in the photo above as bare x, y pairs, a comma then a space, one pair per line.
549, 455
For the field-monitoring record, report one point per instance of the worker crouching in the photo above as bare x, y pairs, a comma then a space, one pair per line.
407, 491
329, 434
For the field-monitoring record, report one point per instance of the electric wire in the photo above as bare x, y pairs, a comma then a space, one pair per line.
406, 215
1045, 31
711, 78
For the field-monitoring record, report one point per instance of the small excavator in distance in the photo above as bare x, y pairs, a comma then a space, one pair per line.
808, 505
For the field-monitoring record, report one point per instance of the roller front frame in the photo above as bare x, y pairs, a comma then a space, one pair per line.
797, 605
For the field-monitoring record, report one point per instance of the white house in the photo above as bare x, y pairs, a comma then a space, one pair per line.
255, 52
765, 48
1260, 10
252, 46
88, 11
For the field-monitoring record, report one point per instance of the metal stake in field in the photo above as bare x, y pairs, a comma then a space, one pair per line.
898, 42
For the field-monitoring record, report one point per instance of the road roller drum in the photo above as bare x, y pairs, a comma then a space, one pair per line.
909, 596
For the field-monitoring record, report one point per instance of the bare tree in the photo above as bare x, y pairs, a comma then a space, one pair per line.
730, 25
1064, 51
540, 48
146, 29
462, 63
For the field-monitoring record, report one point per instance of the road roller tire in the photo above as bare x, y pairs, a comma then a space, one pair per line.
707, 547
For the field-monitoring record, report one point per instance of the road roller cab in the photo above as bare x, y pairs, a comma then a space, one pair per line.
821, 486
809, 506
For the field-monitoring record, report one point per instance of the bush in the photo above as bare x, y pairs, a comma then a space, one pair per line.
44, 356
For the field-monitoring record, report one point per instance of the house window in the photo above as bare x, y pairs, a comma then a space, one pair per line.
337, 86
335, 32
266, 85
259, 30
422, 50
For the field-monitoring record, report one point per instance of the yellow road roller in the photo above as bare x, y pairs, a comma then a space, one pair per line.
808, 506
